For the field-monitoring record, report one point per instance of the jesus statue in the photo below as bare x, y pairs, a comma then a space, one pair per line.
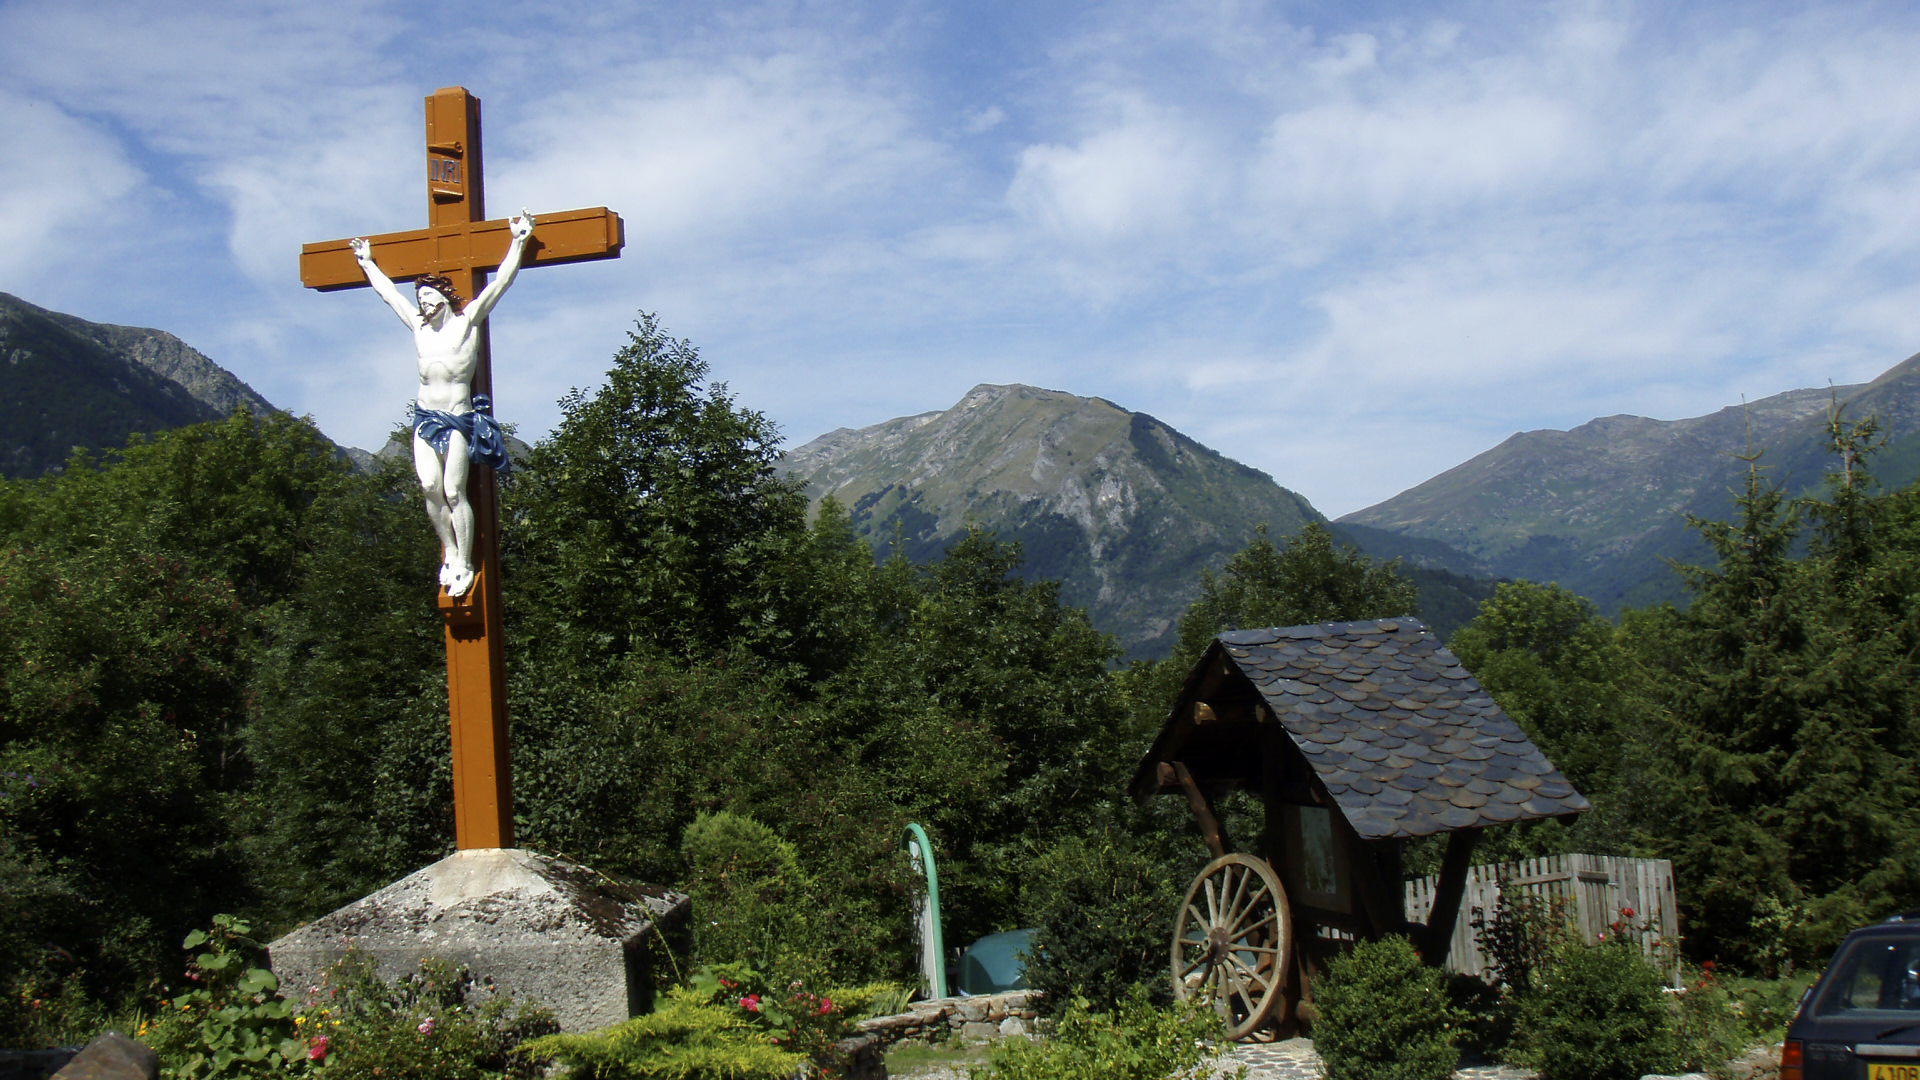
451, 425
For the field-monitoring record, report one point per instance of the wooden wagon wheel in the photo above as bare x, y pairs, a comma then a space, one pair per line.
1231, 942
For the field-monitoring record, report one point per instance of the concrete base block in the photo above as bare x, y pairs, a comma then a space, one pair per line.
540, 928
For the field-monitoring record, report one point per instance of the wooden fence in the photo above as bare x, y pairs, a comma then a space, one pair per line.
1593, 888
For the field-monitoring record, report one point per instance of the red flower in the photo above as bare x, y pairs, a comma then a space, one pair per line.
1626, 913
751, 1003
826, 1006
1706, 965
317, 1049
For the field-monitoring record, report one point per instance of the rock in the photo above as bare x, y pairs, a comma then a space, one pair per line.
112, 1056
543, 929
35, 1064
1012, 1026
972, 1009
979, 1031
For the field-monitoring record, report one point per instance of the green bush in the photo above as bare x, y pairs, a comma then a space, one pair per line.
1599, 1014
1384, 1015
1707, 1023
1765, 1006
794, 1018
436, 1024
1485, 1014
1133, 1041
751, 899
1102, 909
1520, 934
233, 1022
687, 1038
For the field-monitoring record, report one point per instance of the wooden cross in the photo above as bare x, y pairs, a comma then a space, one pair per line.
459, 243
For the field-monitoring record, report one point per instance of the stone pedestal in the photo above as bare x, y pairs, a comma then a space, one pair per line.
542, 929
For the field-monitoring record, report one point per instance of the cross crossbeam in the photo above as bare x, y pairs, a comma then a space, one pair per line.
566, 237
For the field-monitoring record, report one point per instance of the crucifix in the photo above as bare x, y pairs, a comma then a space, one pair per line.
456, 251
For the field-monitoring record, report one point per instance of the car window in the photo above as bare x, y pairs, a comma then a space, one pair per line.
1879, 975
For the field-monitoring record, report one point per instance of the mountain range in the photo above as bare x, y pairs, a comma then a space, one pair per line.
1124, 511
1121, 509
1603, 507
78, 384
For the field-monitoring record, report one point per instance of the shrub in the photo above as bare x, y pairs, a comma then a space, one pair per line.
1485, 1013
1520, 934
750, 897
1384, 1015
794, 1018
436, 1024
1133, 1041
1708, 1025
1102, 910
1599, 1014
1765, 1006
686, 1038
232, 1023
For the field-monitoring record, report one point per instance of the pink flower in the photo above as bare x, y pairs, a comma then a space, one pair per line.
426, 1026
751, 1003
826, 1006
317, 1049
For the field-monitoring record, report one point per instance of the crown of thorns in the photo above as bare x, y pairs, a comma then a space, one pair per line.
443, 286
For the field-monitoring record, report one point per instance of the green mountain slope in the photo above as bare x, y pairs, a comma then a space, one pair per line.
73, 383
1123, 510
1600, 508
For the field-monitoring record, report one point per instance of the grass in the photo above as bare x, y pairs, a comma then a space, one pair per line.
914, 1058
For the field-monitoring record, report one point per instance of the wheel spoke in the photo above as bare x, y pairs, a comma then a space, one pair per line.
1239, 890
1248, 974
1259, 900
1251, 1005
1199, 929
1188, 970
1269, 922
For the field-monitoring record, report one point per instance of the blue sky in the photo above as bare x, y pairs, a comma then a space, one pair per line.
1350, 244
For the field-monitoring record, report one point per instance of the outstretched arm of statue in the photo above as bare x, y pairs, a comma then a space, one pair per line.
521, 228
382, 284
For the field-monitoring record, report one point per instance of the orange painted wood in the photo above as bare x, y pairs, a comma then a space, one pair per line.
566, 237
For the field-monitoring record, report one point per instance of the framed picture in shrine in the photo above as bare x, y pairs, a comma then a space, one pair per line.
1317, 870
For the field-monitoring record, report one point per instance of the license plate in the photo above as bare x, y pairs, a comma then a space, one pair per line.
1887, 1070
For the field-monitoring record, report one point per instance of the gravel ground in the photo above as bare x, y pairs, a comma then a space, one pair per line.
1294, 1059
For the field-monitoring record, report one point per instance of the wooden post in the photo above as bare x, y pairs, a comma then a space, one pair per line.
1437, 941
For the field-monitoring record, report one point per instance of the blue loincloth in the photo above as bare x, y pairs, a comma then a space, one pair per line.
486, 445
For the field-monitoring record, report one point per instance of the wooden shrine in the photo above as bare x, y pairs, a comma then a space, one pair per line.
1357, 737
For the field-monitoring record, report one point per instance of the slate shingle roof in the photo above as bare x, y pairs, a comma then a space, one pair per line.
1404, 739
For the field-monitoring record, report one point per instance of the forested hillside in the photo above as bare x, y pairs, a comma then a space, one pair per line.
222, 689
78, 384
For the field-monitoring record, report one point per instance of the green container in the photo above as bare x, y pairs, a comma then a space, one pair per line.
995, 963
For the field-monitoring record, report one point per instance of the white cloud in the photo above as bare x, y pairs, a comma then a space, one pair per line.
763, 140
63, 180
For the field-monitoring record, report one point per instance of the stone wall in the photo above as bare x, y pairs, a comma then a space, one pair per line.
979, 1018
